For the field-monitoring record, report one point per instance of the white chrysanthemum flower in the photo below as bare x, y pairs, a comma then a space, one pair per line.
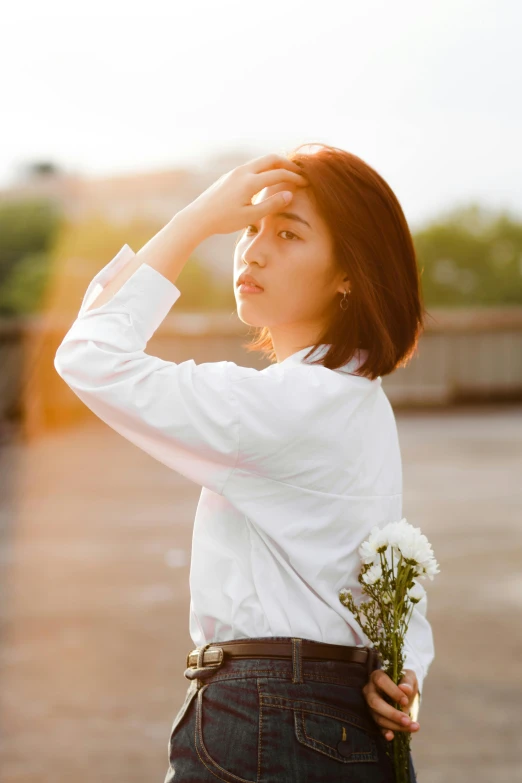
408, 541
431, 567
398, 531
367, 552
416, 593
392, 535
368, 549
400, 539
417, 549
373, 574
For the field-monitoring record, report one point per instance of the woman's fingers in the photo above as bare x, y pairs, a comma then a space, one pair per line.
385, 723
226, 205
273, 177
385, 714
384, 683
271, 161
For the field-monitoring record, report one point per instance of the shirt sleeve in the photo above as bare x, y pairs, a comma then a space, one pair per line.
182, 414
419, 650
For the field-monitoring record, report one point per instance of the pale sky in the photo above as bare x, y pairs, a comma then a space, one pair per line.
426, 91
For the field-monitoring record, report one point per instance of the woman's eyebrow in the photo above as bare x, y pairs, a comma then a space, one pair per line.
293, 216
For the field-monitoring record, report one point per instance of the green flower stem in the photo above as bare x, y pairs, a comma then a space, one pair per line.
386, 625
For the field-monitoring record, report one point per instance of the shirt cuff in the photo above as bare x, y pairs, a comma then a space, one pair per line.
146, 296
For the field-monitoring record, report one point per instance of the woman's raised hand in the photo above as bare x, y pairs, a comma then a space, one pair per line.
384, 713
226, 206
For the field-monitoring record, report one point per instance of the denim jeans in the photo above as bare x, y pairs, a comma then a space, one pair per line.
261, 720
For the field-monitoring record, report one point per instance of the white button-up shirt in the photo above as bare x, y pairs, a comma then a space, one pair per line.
296, 464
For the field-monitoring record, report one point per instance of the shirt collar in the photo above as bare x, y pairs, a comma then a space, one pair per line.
351, 366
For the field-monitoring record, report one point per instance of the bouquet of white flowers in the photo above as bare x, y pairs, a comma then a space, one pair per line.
392, 557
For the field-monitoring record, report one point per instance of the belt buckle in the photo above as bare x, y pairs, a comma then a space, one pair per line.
214, 656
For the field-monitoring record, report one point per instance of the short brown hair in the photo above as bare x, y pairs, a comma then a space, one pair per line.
373, 243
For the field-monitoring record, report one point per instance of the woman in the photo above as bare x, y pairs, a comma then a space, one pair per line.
296, 462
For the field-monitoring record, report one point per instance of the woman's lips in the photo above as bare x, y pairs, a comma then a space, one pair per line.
249, 288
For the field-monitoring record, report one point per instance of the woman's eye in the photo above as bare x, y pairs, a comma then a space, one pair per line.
247, 231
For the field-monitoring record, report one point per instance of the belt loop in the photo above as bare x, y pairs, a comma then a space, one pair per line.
371, 661
201, 652
297, 667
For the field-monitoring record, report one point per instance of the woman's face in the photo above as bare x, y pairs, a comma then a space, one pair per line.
292, 259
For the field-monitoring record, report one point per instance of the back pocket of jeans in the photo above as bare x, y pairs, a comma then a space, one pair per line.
344, 737
227, 729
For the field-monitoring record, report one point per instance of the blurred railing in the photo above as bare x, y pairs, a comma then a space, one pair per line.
463, 355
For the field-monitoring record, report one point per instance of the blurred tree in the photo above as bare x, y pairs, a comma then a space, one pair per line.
28, 229
24, 289
471, 256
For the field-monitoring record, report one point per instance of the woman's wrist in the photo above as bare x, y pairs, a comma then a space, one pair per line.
191, 222
169, 250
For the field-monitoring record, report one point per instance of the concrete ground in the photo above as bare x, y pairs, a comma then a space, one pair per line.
94, 563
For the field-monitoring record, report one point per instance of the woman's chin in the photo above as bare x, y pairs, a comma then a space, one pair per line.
249, 316
250, 320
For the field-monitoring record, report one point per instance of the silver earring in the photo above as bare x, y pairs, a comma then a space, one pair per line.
344, 302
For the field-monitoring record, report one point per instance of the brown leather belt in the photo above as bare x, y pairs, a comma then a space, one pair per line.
215, 652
